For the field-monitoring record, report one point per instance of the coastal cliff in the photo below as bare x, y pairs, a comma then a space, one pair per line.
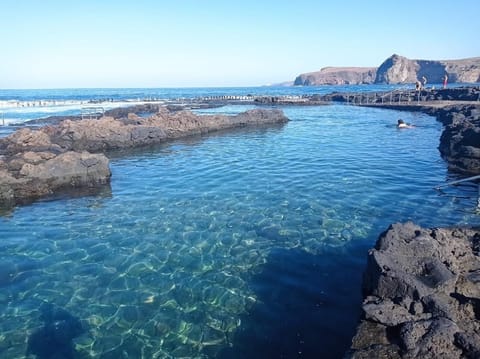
396, 70
71, 154
337, 76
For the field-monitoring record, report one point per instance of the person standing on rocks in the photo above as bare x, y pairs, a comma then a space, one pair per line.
424, 82
418, 85
445, 80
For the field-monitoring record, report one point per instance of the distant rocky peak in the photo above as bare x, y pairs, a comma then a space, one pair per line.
396, 69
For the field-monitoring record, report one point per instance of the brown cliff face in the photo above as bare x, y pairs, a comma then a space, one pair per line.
337, 76
398, 69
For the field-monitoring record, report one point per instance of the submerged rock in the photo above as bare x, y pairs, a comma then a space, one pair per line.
15, 271
421, 295
55, 338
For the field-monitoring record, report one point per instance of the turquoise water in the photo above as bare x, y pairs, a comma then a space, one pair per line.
248, 243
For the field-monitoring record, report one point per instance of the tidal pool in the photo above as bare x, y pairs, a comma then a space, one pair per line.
249, 243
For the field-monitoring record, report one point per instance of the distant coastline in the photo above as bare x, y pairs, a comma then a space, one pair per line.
396, 70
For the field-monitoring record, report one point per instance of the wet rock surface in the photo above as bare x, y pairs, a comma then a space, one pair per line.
421, 294
460, 140
71, 154
29, 175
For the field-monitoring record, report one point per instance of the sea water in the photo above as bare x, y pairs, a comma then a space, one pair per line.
249, 243
18, 106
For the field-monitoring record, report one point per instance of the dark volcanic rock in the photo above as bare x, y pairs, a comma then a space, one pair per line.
30, 175
421, 295
109, 133
120, 112
460, 140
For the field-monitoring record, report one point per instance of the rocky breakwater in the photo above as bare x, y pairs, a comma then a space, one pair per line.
460, 139
421, 295
32, 166
72, 153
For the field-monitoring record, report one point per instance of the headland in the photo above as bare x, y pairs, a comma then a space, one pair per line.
396, 69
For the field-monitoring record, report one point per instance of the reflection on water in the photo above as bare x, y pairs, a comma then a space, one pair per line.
249, 243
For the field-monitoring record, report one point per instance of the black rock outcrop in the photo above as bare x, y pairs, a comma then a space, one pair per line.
421, 295
460, 139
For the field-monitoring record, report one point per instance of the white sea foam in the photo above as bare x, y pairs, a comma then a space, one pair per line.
22, 111
9, 121
38, 103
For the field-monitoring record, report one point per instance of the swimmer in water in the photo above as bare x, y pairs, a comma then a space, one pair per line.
402, 124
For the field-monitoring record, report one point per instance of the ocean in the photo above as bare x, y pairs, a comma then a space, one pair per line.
17, 106
243, 244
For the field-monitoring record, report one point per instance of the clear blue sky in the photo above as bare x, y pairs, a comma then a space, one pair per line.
188, 43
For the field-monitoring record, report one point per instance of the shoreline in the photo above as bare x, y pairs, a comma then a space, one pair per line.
72, 154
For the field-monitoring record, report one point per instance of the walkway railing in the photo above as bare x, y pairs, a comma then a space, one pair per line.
92, 113
404, 91
468, 179
399, 95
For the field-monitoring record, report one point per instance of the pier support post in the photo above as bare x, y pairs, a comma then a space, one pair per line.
478, 199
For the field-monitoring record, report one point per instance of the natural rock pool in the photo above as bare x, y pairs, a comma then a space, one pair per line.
248, 243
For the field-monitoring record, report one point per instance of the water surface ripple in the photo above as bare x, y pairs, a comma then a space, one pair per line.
249, 243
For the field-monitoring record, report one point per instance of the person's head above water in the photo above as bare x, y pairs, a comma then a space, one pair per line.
402, 124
